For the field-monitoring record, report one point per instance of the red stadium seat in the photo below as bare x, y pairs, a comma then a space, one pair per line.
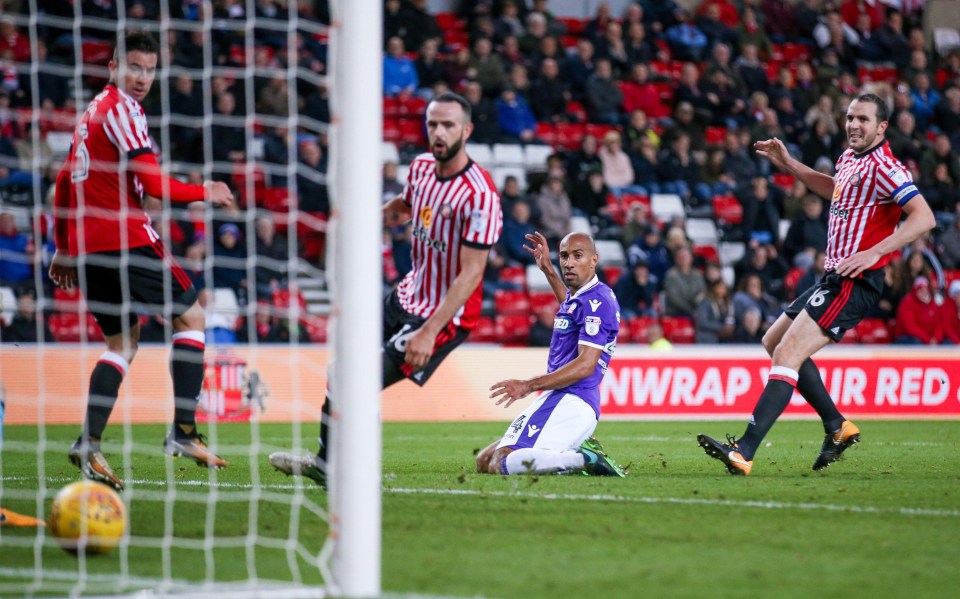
577, 110
391, 108
574, 25
543, 299
570, 134
790, 281
391, 130
511, 302
96, 52
547, 133
678, 329
514, 274
449, 21
708, 253
599, 131
513, 329
612, 273
624, 335
851, 337
638, 328
411, 133
727, 210
250, 181
484, 332
316, 327
783, 181
412, 107
873, 331
715, 135
949, 276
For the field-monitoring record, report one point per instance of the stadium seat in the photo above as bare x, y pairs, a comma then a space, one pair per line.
391, 129
59, 142
511, 302
96, 52
715, 135
250, 181
708, 253
570, 134
580, 224
279, 199
783, 227
514, 274
784, 181
535, 157
484, 332
536, 281
283, 301
577, 111
547, 133
574, 25
702, 231
611, 273
513, 329
790, 281
665, 206
508, 155
729, 275
391, 107
873, 331
500, 175
65, 327
949, 276
481, 154
8, 305
412, 107
731, 251
851, 337
727, 210
611, 252
403, 171
638, 329
624, 334
225, 304
678, 329
599, 131
449, 21
389, 152
411, 133
316, 327
543, 299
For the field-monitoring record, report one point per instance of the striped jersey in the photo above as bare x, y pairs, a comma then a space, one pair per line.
448, 212
106, 211
869, 192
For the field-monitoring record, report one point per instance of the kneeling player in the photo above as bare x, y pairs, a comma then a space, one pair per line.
554, 434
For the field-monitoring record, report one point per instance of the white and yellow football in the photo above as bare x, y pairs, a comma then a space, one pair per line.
87, 516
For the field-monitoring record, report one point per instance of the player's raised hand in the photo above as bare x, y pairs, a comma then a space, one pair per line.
540, 250
774, 151
509, 391
63, 271
218, 193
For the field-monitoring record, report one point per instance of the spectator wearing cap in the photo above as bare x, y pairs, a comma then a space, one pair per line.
951, 314
604, 98
515, 117
617, 169
919, 318
637, 291
229, 260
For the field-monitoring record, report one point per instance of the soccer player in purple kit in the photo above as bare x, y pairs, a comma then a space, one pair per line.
553, 435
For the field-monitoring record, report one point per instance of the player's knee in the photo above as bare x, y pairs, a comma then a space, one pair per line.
493, 464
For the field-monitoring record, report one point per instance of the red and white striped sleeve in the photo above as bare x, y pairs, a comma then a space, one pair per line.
894, 183
484, 219
126, 126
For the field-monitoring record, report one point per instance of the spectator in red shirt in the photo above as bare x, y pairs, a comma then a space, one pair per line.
919, 318
639, 93
10, 39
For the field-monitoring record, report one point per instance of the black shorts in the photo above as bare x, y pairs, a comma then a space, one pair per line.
121, 285
838, 303
398, 325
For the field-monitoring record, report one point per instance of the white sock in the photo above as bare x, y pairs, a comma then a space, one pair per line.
541, 461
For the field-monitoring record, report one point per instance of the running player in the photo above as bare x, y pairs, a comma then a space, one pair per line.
553, 435
455, 209
106, 244
869, 192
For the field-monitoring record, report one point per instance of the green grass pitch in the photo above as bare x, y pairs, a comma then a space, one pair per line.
883, 522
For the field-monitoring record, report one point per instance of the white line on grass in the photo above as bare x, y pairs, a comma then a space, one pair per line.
769, 505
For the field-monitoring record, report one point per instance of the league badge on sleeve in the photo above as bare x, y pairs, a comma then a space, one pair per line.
592, 325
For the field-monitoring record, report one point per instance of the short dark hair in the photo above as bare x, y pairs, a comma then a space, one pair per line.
136, 41
457, 99
882, 114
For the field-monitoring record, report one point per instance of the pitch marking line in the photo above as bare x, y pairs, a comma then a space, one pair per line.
769, 505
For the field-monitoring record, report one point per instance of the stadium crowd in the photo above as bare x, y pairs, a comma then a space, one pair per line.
636, 127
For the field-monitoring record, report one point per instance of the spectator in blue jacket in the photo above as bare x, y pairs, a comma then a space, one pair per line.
16, 254
399, 72
516, 226
686, 41
516, 118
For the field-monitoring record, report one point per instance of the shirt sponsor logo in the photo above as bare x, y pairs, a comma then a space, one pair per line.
426, 216
561, 323
592, 325
841, 213
421, 234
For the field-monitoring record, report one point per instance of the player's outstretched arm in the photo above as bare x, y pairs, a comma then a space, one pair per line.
541, 253
919, 220
509, 391
776, 152
158, 185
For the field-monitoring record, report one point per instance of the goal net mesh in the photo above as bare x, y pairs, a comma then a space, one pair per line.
240, 96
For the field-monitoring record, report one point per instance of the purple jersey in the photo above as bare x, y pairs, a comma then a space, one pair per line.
589, 317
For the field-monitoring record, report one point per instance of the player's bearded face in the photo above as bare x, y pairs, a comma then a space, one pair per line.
862, 127
446, 130
443, 152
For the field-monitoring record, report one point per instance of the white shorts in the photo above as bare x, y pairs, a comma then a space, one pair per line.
554, 422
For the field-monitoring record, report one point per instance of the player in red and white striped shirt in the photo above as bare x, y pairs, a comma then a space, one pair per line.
868, 194
106, 244
456, 217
